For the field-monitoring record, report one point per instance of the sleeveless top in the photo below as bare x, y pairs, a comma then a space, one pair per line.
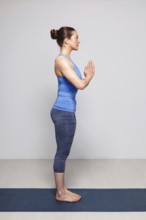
66, 97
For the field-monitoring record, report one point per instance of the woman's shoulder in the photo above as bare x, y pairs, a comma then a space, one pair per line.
62, 61
59, 58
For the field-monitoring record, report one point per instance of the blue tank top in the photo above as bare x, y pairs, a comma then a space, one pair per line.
66, 91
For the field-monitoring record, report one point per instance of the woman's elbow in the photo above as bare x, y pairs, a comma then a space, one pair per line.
80, 86
83, 84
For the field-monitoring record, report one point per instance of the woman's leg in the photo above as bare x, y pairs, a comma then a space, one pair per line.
65, 125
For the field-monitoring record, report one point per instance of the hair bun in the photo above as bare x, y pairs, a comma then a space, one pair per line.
54, 34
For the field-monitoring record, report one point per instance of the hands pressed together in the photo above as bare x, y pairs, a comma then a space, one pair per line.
89, 69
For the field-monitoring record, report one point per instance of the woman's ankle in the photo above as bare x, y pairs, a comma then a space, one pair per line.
61, 191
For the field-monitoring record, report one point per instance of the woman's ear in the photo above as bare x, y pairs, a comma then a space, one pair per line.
66, 40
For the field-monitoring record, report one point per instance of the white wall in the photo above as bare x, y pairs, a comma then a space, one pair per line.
111, 119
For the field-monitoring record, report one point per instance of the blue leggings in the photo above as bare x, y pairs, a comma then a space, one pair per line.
65, 126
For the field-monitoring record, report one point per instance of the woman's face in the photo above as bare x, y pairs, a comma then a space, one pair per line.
74, 41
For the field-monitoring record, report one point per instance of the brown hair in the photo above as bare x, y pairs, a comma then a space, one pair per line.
61, 34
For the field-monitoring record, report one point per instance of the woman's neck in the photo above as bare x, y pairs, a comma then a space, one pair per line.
65, 52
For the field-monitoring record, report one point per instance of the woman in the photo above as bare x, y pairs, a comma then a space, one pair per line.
63, 110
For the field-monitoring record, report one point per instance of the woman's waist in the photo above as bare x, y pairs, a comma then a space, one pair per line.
64, 94
65, 103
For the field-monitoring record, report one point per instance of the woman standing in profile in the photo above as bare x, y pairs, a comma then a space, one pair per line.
63, 110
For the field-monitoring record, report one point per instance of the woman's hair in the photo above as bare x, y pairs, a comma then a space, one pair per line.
61, 34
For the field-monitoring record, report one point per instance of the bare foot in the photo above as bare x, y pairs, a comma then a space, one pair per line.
68, 196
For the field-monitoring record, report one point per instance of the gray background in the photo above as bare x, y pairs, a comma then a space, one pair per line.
111, 120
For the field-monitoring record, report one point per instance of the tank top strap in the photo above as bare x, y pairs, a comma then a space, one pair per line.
67, 58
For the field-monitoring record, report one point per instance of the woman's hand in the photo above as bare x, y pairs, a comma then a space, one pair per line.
89, 69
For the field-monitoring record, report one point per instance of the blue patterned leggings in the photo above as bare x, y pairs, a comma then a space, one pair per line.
65, 126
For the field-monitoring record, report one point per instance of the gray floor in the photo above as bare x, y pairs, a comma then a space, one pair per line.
79, 174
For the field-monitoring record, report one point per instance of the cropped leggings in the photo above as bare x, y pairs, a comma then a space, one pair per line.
65, 126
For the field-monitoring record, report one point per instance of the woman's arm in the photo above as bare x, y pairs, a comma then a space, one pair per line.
67, 71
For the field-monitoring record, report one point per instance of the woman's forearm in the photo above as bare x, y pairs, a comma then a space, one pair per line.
84, 82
